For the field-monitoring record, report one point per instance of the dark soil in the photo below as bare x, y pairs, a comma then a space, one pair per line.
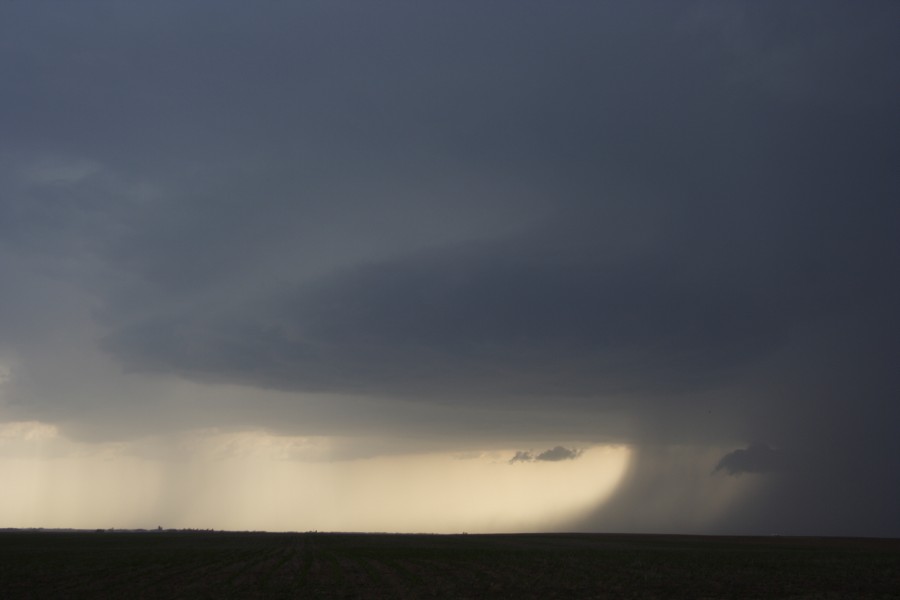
218, 565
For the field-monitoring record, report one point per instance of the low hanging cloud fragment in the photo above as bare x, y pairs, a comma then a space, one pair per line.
559, 453
522, 456
554, 454
756, 458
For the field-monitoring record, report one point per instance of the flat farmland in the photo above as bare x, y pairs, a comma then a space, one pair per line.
175, 564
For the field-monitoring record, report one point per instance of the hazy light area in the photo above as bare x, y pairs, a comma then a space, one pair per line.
253, 480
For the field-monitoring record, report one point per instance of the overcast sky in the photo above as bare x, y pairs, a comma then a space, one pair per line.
544, 235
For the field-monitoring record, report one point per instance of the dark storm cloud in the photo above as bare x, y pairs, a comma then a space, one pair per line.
679, 241
476, 322
680, 216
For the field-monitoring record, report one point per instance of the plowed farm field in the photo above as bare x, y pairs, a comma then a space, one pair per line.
218, 565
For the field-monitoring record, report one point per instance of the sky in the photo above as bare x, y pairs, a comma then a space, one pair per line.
430, 266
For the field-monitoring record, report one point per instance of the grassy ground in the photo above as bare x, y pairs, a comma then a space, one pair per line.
323, 565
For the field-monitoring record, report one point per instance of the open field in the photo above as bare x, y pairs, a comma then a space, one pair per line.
331, 565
